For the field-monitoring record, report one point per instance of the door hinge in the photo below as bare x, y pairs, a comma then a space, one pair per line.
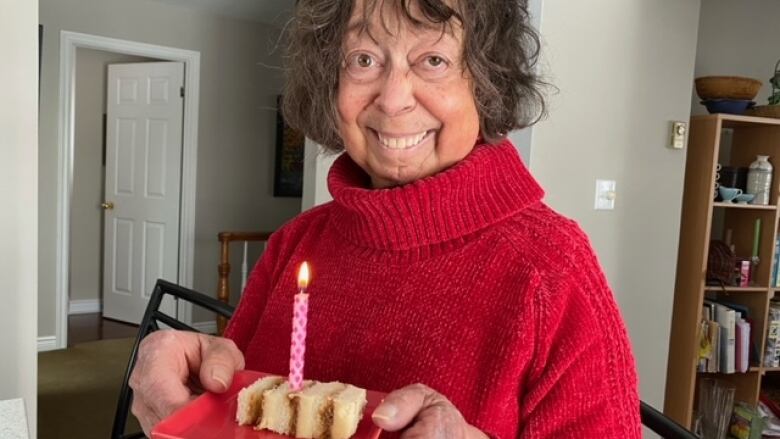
181, 91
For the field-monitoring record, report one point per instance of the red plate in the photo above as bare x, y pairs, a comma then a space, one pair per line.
213, 415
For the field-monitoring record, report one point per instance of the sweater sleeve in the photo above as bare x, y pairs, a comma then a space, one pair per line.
582, 382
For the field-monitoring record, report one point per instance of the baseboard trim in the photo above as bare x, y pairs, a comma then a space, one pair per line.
87, 306
207, 327
48, 343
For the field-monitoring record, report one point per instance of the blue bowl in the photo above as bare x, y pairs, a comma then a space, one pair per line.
729, 106
744, 198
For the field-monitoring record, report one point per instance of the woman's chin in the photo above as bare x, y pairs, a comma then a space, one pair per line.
387, 178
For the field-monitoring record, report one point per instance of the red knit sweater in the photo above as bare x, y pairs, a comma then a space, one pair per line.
464, 281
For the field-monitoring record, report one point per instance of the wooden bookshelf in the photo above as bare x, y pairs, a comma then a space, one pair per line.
743, 206
731, 289
750, 136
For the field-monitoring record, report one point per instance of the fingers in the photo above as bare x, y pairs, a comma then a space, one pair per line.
221, 359
162, 373
402, 406
438, 421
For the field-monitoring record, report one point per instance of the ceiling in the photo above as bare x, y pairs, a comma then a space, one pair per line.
274, 12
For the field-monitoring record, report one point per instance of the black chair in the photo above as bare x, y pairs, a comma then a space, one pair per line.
651, 418
151, 320
662, 424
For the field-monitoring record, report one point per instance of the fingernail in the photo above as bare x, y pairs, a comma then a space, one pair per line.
385, 412
218, 375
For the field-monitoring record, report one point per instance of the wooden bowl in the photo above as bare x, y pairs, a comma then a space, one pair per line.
727, 87
765, 111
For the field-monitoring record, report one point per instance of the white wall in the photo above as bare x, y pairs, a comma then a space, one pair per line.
738, 38
316, 164
624, 69
19, 196
86, 244
237, 121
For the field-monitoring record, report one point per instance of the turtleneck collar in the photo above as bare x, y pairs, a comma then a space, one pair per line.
489, 185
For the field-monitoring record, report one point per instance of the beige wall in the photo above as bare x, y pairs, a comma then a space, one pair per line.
86, 244
624, 69
738, 38
237, 121
18, 196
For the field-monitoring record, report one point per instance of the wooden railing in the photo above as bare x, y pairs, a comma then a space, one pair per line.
223, 287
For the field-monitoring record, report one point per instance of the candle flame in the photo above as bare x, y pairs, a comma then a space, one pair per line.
303, 275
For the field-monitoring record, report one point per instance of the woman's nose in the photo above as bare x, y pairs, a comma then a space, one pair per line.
396, 95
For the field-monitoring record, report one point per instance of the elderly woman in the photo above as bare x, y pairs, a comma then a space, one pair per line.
441, 276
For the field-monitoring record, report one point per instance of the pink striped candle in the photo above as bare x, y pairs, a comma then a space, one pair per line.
300, 319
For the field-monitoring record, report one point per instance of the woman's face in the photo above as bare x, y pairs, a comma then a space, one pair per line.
406, 107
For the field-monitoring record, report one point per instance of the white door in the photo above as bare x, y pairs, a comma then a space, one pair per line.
143, 181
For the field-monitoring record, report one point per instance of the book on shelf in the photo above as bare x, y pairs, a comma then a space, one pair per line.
726, 318
775, 281
772, 349
725, 344
742, 346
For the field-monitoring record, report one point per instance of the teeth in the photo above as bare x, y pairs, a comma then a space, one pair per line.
401, 142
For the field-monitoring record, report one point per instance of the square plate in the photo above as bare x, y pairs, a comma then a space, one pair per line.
214, 415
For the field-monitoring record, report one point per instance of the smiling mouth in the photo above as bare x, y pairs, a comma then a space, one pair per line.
402, 142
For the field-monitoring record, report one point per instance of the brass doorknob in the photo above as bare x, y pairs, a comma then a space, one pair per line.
107, 205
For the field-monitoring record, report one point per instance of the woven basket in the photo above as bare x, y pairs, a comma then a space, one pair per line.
727, 87
720, 264
765, 111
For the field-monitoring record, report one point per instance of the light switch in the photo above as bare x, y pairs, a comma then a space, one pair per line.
605, 195
678, 135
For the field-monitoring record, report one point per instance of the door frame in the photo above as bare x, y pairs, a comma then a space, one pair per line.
69, 43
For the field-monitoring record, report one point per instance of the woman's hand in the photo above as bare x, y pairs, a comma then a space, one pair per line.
423, 413
173, 366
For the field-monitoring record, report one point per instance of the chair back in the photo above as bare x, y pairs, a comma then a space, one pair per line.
151, 321
661, 424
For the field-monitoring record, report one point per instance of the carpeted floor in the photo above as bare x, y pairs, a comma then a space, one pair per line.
78, 389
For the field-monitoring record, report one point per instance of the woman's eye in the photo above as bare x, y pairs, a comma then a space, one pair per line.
363, 66
364, 60
435, 61
361, 61
433, 65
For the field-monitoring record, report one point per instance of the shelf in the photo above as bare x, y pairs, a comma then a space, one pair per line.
753, 369
731, 289
704, 219
736, 121
744, 206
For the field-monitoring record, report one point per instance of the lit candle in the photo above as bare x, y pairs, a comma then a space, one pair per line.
300, 318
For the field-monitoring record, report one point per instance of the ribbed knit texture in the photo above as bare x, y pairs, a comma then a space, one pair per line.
464, 281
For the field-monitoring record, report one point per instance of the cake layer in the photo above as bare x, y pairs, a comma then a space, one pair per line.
315, 409
250, 399
347, 411
278, 410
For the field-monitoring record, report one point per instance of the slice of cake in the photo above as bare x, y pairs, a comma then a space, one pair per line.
250, 399
348, 408
314, 409
319, 410
279, 410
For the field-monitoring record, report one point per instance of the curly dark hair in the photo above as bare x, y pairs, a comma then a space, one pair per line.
500, 51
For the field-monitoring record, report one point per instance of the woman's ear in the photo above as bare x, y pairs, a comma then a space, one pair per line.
493, 140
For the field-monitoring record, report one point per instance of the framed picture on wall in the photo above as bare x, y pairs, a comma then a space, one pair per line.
288, 166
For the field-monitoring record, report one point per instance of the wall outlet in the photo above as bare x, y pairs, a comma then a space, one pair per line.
679, 129
605, 195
